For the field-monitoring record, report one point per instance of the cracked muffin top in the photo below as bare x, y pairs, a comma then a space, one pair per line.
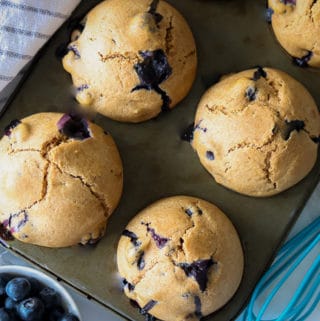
60, 179
257, 131
132, 60
296, 24
181, 259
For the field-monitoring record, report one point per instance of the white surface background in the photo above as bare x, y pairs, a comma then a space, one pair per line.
91, 311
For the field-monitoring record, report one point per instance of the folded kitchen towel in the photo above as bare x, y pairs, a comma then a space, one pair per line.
25, 26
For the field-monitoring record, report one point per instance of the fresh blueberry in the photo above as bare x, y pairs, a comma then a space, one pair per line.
74, 126
3, 282
18, 288
13, 316
49, 297
55, 314
210, 155
188, 211
31, 309
14, 123
69, 317
36, 286
4, 315
198, 270
10, 304
303, 61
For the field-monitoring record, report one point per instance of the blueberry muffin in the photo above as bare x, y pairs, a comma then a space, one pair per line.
296, 24
60, 179
132, 60
180, 258
257, 132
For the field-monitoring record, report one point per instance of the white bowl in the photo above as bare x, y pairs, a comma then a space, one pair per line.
66, 300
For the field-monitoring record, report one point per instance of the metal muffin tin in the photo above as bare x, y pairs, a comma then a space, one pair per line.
231, 36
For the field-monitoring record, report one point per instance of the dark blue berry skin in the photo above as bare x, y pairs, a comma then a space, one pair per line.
128, 285
197, 303
187, 135
303, 61
251, 93
3, 283
35, 287
292, 2
55, 314
259, 73
69, 317
74, 126
9, 304
13, 124
198, 270
133, 237
141, 262
210, 155
4, 315
159, 240
153, 8
13, 316
49, 297
18, 288
152, 71
291, 126
75, 50
31, 309
148, 306
269, 14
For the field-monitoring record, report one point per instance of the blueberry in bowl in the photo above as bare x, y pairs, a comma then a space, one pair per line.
31, 295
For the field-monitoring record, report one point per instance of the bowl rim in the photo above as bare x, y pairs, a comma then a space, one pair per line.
49, 281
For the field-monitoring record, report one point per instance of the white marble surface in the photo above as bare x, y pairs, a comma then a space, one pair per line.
91, 311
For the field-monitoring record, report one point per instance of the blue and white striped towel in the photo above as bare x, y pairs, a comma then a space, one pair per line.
25, 26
